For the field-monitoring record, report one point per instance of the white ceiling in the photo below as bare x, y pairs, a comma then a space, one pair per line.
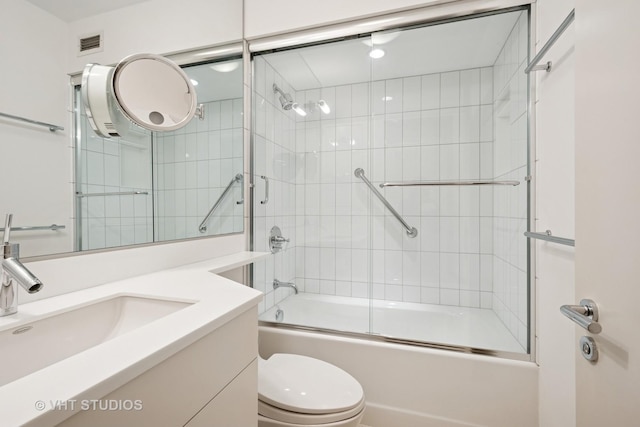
459, 45
72, 10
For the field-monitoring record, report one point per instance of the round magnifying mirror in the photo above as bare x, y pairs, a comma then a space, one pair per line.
154, 92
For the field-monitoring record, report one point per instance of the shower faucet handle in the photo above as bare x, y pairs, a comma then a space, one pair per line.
276, 240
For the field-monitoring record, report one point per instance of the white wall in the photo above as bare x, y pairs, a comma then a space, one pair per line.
555, 200
36, 163
157, 26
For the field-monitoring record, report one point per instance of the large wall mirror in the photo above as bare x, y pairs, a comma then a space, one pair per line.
146, 186
142, 187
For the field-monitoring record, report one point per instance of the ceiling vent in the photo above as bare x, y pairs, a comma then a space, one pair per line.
91, 43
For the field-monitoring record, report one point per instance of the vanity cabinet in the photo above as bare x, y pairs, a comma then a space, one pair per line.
212, 382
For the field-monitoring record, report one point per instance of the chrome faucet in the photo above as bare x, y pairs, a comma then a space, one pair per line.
278, 284
13, 273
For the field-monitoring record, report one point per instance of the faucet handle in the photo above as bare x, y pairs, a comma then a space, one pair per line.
7, 228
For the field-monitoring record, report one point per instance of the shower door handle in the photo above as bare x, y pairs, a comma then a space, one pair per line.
266, 190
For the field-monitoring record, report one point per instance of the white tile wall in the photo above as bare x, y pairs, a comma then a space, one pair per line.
193, 166
431, 127
109, 221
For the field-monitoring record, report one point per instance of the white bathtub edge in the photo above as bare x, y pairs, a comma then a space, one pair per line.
422, 385
378, 415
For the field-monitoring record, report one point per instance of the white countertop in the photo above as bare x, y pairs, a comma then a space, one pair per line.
97, 371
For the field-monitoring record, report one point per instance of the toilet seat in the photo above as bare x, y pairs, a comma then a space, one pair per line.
303, 390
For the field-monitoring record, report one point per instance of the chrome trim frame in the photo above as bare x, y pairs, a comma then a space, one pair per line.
192, 57
531, 195
437, 13
525, 357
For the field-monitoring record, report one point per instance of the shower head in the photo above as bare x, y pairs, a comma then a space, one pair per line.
286, 101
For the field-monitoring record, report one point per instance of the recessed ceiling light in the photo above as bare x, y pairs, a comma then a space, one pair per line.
226, 67
376, 53
387, 98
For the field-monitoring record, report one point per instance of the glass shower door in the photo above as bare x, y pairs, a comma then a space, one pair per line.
449, 154
395, 164
311, 130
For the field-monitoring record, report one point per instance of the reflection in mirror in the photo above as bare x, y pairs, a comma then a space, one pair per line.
148, 90
154, 186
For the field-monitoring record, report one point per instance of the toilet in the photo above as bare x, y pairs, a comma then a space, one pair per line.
296, 391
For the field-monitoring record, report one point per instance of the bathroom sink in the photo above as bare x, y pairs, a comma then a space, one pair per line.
45, 341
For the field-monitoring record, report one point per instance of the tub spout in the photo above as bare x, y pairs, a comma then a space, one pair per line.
278, 284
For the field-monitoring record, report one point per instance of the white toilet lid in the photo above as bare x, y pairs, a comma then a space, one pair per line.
306, 385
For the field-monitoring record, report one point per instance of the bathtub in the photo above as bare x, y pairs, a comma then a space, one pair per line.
473, 328
406, 385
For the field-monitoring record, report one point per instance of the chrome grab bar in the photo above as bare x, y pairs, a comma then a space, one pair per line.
411, 231
549, 238
554, 37
52, 227
113, 193
436, 183
51, 127
266, 190
585, 315
203, 226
